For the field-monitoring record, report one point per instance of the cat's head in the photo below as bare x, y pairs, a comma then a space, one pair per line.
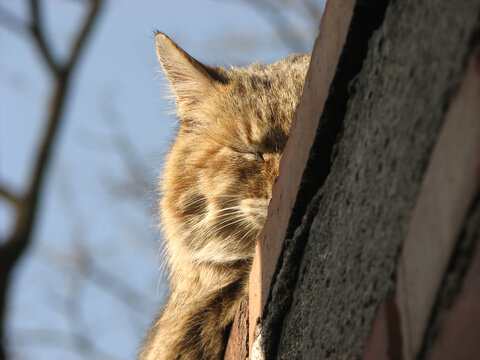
233, 128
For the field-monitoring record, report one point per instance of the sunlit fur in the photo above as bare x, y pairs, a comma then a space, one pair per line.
216, 187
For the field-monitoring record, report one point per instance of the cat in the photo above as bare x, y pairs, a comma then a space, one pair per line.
216, 188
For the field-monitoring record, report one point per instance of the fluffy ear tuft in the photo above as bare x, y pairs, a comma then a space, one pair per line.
190, 80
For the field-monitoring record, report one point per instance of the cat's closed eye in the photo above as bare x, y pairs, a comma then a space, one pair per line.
254, 156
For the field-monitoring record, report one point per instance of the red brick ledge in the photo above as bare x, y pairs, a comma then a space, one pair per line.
326, 53
325, 56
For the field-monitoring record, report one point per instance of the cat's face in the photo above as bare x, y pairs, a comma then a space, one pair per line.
219, 174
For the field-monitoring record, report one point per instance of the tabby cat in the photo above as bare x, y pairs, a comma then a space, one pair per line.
216, 188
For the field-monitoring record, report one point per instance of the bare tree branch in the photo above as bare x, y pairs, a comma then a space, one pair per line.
36, 28
8, 195
19, 239
83, 34
58, 101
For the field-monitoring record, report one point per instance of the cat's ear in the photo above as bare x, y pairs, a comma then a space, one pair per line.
190, 80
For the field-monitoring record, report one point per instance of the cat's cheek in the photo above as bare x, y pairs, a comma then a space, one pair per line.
255, 210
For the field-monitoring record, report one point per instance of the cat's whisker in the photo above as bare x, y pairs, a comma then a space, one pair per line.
197, 201
232, 215
205, 221
247, 225
215, 229
243, 225
248, 233
211, 217
236, 220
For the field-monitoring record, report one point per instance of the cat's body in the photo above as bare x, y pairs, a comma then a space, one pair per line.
215, 192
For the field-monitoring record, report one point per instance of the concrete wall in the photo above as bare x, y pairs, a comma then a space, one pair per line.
370, 247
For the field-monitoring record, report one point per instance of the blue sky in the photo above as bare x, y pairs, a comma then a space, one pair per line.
85, 207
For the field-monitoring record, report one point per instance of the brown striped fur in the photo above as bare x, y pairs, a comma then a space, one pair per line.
215, 190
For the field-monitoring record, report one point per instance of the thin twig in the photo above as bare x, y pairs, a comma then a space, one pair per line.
8, 195
36, 28
83, 34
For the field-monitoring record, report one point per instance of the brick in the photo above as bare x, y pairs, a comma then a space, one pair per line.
460, 333
448, 188
237, 346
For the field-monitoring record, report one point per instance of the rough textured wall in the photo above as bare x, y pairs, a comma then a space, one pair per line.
340, 263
